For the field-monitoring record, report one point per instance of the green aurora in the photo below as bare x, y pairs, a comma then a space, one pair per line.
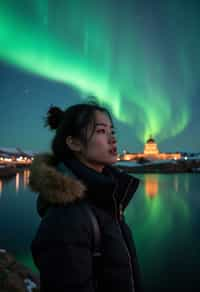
141, 71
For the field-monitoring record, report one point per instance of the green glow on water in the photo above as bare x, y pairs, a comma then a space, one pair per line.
86, 46
162, 206
26, 260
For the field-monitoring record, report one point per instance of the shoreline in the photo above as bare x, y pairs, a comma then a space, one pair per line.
10, 171
171, 167
167, 167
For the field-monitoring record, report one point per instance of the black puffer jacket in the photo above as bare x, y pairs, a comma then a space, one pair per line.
63, 245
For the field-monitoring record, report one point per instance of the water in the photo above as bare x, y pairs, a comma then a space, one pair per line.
18, 217
164, 218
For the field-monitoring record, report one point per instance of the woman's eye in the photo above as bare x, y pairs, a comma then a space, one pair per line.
101, 131
104, 131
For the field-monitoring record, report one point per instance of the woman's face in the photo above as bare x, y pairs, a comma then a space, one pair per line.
101, 148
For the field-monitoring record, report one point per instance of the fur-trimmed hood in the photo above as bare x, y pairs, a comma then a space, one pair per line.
53, 186
62, 183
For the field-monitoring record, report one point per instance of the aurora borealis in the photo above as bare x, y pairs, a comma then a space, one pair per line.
140, 58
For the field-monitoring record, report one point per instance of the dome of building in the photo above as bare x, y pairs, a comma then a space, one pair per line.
150, 140
151, 148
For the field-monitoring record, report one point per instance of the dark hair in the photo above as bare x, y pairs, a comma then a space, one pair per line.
74, 121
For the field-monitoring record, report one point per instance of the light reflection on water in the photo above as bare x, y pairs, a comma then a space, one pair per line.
18, 217
164, 219
151, 185
17, 182
1, 187
163, 216
21, 180
26, 175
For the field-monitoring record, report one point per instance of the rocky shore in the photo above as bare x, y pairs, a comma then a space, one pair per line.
15, 277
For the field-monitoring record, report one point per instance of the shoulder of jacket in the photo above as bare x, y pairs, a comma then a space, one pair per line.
70, 222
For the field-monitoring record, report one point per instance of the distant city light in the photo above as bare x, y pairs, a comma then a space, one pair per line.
7, 159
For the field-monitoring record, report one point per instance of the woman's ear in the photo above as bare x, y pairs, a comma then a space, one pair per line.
73, 144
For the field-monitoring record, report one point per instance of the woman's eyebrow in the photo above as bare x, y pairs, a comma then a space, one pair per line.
103, 124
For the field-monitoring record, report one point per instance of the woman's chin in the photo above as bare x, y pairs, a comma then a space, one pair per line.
113, 160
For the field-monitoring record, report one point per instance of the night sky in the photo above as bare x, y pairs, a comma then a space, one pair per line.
139, 58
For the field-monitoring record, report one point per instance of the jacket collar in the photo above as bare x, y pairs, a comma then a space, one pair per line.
100, 187
70, 181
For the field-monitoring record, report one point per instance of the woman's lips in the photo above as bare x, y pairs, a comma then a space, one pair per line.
113, 151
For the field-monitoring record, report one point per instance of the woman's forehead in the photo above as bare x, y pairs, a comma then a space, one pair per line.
102, 119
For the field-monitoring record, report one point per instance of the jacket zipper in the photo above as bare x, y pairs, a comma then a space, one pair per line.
118, 224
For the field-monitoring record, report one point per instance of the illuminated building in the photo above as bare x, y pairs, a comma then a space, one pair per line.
151, 152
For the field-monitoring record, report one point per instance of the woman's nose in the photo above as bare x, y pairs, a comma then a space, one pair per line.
112, 139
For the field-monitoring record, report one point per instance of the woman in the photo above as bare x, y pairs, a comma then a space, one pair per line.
79, 172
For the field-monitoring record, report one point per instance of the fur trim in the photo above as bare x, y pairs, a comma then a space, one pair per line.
53, 186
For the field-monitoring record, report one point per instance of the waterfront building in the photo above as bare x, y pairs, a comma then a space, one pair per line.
151, 152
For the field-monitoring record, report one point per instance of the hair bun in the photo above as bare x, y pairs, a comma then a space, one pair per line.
54, 117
